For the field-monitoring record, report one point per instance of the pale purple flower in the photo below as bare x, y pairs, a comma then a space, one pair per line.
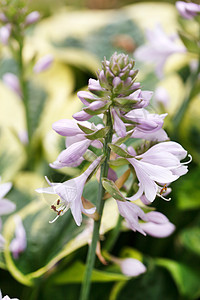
132, 267
43, 63
81, 116
141, 98
76, 142
145, 121
158, 165
86, 97
158, 136
118, 124
155, 223
12, 81
158, 225
70, 193
159, 47
32, 18
95, 87
161, 96
6, 297
3, 18
187, 10
5, 32
19, 243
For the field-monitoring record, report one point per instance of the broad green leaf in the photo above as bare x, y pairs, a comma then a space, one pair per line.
101, 133
118, 150
112, 189
186, 279
75, 274
190, 239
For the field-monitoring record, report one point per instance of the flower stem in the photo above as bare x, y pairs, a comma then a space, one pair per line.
100, 204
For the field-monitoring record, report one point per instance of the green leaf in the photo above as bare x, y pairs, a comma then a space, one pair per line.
190, 239
118, 150
125, 102
75, 274
190, 44
118, 162
123, 139
186, 279
112, 189
85, 129
101, 133
36, 101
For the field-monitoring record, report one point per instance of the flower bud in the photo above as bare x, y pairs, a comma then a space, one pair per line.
43, 63
32, 18
12, 82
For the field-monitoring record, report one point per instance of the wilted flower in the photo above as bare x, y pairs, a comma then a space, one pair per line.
12, 81
159, 47
6, 297
187, 10
18, 244
43, 63
70, 193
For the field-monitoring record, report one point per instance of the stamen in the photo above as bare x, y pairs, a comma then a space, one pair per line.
163, 190
54, 219
187, 162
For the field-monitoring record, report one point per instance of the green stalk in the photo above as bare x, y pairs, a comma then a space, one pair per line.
100, 204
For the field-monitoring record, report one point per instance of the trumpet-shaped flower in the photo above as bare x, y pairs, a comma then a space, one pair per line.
187, 10
70, 193
159, 47
160, 164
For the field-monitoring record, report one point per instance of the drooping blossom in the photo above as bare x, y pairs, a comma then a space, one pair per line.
12, 81
159, 47
154, 223
6, 297
70, 193
188, 10
19, 243
76, 142
32, 18
43, 63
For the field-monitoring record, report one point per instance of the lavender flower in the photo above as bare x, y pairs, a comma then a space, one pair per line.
76, 143
32, 18
158, 49
5, 32
70, 193
43, 63
132, 267
187, 10
18, 244
12, 82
